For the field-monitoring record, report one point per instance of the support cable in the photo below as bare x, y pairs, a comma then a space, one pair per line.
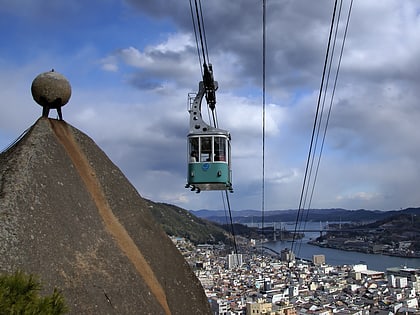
196, 37
232, 226
229, 225
205, 67
214, 117
263, 123
299, 213
319, 124
330, 104
224, 208
332, 98
205, 50
200, 36
200, 32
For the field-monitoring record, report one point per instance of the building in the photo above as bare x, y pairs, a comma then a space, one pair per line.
403, 272
259, 307
318, 259
360, 271
219, 307
287, 255
411, 274
234, 260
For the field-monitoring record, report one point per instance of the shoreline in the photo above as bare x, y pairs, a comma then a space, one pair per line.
366, 251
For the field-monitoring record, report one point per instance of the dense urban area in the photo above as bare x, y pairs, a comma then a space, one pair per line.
250, 281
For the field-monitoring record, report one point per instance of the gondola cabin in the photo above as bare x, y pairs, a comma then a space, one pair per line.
208, 166
209, 157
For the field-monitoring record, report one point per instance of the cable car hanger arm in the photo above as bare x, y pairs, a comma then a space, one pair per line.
210, 85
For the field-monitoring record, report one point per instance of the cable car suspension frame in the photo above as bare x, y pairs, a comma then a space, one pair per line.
209, 166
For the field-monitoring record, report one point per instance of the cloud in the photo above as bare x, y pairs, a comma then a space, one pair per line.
109, 63
156, 65
133, 63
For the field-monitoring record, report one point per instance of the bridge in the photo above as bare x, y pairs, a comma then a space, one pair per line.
278, 230
287, 234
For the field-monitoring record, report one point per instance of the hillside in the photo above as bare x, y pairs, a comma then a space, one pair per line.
182, 223
179, 222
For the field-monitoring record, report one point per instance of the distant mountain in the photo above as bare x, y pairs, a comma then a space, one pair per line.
246, 216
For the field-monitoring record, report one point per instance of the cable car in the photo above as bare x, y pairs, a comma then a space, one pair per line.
209, 158
209, 166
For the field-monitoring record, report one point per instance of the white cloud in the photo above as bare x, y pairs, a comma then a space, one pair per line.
176, 43
133, 57
130, 95
109, 63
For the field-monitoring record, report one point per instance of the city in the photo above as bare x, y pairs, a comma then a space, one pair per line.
256, 282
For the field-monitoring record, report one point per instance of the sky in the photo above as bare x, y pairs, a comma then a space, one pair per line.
132, 63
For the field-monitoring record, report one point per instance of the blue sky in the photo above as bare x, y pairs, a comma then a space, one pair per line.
131, 64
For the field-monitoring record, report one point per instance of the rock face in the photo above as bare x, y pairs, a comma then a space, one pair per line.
69, 215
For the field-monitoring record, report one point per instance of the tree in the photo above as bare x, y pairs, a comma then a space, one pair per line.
19, 294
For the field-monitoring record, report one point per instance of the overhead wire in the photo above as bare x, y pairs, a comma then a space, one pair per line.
235, 246
311, 148
229, 224
323, 91
263, 121
332, 96
200, 38
225, 210
330, 58
331, 99
214, 118
200, 31
205, 49
196, 37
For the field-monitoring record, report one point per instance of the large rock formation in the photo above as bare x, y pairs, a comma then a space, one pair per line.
69, 215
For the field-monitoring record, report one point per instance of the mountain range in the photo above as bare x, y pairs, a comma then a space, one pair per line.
343, 215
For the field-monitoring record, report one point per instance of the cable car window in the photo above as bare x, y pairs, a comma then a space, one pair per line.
206, 149
193, 150
219, 149
228, 153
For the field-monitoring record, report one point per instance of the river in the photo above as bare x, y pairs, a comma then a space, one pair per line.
337, 257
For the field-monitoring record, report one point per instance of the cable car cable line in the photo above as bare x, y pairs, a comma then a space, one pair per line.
324, 97
207, 70
330, 106
232, 227
331, 101
209, 151
323, 91
318, 118
196, 39
311, 146
263, 121
205, 49
201, 32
